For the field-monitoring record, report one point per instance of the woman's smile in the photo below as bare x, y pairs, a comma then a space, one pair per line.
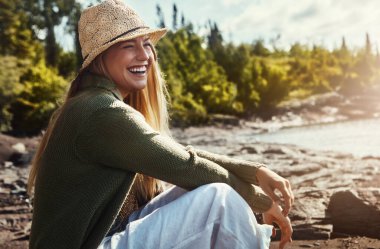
138, 70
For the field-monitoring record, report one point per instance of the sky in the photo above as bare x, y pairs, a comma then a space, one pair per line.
277, 22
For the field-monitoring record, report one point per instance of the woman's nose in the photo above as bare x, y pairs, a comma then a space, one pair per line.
143, 53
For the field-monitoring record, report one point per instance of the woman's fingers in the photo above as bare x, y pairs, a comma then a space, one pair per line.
287, 195
286, 231
288, 185
268, 219
275, 214
270, 192
270, 181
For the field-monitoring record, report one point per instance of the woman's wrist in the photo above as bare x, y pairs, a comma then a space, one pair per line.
260, 169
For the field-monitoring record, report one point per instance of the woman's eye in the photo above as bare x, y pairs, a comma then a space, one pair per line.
128, 46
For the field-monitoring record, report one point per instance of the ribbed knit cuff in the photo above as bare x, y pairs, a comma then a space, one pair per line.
261, 203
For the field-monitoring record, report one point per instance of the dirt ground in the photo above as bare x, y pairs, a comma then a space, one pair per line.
346, 243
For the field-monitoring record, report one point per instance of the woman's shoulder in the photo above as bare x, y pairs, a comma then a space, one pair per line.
93, 100
96, 101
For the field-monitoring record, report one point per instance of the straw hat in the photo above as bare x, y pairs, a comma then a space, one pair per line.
108, 23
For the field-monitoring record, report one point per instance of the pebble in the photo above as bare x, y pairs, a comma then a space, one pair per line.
19, 147
8, 164
306, 246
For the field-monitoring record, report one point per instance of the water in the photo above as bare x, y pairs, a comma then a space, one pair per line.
359, 137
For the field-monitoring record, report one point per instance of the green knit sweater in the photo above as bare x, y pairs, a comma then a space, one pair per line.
96, 147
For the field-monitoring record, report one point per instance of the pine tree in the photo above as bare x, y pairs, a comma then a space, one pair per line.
183, 22
175, 14
160, 15
214, 38
368, 45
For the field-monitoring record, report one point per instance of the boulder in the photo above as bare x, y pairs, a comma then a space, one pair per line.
356, 212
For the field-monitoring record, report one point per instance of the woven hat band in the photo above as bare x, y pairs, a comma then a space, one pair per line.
125, 33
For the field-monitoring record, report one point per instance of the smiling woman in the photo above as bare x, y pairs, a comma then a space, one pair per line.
97, 172
127, 64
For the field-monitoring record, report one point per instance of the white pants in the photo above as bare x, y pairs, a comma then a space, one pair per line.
211, 216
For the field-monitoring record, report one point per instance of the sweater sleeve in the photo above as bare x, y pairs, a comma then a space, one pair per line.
119, 137
246, 170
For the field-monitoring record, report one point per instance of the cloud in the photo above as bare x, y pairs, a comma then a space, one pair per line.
312, 10
308, 21
229, 3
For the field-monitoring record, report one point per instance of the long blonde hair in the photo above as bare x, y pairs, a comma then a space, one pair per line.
150, 102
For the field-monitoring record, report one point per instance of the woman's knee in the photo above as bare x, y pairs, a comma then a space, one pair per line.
218, 187
221, 192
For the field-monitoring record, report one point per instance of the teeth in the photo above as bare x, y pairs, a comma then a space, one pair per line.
140, 69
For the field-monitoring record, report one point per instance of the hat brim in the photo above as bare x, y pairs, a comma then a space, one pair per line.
154, 34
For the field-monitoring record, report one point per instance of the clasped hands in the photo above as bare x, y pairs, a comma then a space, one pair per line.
269, 181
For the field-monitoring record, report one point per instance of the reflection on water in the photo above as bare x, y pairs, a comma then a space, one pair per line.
359, 137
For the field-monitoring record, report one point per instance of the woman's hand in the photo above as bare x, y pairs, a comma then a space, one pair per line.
275, 214
269, 181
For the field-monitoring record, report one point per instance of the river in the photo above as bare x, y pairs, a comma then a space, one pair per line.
358, 137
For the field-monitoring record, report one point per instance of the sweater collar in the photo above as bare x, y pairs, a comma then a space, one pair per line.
90, 80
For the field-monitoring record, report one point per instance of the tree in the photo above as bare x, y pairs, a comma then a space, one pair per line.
183, 22
10, 87
175, 16
259, 49
368, 45
45, 15
72, 28
272, 87
214, 38
41, 88
298, 50
160, 15
15, 36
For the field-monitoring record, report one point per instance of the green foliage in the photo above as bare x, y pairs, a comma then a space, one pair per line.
204, 75
273, 86
259, 48
67, 64
248, 79
38, 98
15, 37
213, 89
28, 95
197, 85
10, 73
185, 111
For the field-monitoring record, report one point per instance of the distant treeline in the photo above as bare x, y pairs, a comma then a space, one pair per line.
205, 75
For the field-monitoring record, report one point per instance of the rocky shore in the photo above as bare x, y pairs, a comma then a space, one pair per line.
318, 109
337, 195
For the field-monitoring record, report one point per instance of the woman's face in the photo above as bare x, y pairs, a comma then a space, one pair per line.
127, 64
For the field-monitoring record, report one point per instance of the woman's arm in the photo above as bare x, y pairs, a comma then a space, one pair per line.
255, 173
246, 170
119, 137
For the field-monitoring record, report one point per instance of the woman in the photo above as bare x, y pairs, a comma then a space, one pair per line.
112, 125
